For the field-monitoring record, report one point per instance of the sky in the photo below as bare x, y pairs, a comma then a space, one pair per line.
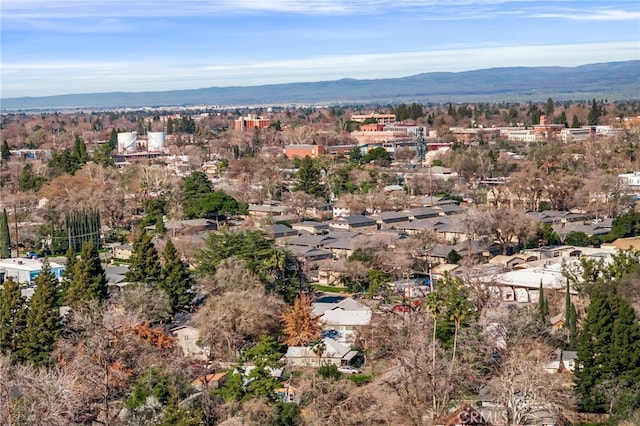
51, 47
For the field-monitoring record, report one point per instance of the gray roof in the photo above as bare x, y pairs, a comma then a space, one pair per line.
391, 216
311, 240
357, 220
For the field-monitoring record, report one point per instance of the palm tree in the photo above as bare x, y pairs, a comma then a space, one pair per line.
434, 304
276, 263
457, 310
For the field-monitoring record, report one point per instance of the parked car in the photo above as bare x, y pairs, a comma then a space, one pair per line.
32, 254
348, 370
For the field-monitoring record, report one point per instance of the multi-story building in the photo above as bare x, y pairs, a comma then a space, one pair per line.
251, 122
380, 118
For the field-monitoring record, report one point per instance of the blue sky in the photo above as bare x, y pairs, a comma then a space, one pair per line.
51, 47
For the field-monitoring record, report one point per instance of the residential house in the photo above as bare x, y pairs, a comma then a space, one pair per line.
123, 251
116, 274
187, 338
281, 233
354, 223
422, 213
329, 352
210, 381
287, 393
390, 219
345, 317
509, 262
589, 228
466, 415
264, 210
311, 227
449, 209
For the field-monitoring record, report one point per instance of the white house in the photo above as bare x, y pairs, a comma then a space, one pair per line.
345, 317
330, 352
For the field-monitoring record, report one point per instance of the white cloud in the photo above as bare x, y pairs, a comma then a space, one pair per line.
33, 10
49, 78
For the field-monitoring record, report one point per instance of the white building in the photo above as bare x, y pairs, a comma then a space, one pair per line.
25, 270
630, 180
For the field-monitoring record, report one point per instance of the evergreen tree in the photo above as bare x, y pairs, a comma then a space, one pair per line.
308, 177
145, 264
575, 123
113, 139
594, 113
69, 272
5, 152
567, 306
543, 307
89, 281
5, 236
12, 316
573, 326
43, 319
80, 151
549, 108
608, 354
176, 278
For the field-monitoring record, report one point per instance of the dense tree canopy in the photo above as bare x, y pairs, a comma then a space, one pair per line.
200, 201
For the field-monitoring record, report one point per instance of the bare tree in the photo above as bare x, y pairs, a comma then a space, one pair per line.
40, 397
232, 321
525, 389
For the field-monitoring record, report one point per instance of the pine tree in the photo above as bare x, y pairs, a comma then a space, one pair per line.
43, 320
608, 353
176, 279
89, 281
69, 272
12, 316
145, 263
308, 177
594, 113
113, 139
5, 152
5, 236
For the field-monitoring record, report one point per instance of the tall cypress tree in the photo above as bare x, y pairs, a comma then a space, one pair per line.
567, 307
176, 279
89, 281
145, 263
43, 319
543, 306
13, 316
5, 236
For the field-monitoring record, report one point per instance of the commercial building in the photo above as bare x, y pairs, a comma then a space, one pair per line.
25, 270
301, 151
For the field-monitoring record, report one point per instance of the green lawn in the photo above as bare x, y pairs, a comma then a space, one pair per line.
329, 288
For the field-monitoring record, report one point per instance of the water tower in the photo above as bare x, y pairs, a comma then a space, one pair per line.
126, 142
155, 141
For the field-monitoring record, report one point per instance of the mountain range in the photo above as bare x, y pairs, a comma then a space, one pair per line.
611, 80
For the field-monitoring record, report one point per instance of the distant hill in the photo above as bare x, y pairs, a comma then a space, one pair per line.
612, 80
